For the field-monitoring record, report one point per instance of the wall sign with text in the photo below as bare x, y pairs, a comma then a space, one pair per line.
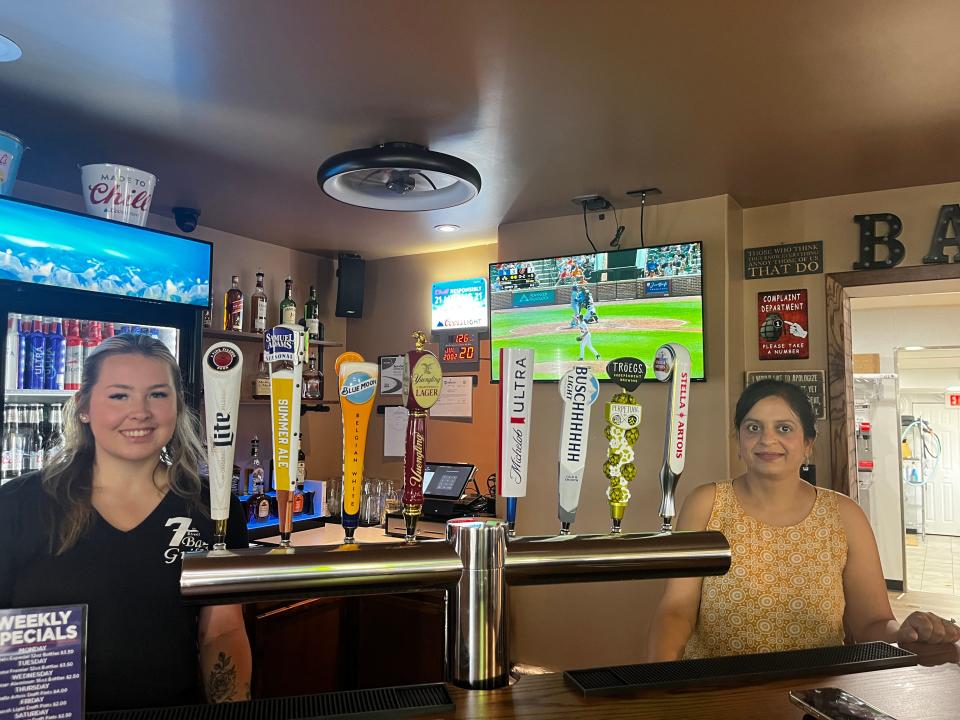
783, 260
812, 383
783, 325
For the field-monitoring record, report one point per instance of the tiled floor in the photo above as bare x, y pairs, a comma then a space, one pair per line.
933, 565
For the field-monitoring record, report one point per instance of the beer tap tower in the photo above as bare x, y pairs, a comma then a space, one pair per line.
623, 421
579, 389
672, 363
222, 368
284, 349
422, 382
358, 389
516, 403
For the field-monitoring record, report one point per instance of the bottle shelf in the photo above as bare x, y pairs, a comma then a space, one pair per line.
37, 396
250, 337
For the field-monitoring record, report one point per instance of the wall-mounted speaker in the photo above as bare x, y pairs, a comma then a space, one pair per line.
350, 286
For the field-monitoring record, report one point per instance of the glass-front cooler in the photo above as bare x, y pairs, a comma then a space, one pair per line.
67, 283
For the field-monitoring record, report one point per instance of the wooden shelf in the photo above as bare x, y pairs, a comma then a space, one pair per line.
249, 337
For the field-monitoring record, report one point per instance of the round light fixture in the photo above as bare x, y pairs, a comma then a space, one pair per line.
9, 50
399, 176
446, 227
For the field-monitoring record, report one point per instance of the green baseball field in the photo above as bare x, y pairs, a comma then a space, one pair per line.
626, 328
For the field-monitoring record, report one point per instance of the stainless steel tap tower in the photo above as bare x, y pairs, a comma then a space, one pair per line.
476, 566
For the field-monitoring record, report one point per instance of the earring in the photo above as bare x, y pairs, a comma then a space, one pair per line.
806, 464
84, 418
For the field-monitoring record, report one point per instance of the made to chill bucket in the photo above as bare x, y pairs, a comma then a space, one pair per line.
117, 192
11, 150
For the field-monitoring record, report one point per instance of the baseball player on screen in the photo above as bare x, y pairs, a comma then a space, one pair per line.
584, 338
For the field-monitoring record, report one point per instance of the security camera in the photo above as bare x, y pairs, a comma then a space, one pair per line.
186, 218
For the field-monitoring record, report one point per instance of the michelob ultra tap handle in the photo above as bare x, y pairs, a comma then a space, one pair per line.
222, 368
422, 382
579, 389
516, 402
358, 387
284, 347
672, 362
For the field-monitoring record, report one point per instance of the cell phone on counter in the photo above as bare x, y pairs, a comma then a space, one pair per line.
832, 703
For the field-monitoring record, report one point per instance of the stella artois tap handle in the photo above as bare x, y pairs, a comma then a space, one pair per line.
222, 368
579, 389
516, 402
422, 382
672, 362
357, 383
623, 414
284, 348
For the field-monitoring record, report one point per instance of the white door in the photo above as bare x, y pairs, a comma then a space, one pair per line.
942, 491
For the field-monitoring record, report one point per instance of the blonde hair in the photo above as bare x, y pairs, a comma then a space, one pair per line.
68, 478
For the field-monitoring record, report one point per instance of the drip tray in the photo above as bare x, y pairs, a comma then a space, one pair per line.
739, 669
392, 702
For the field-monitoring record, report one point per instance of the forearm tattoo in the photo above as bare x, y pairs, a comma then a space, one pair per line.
222, 683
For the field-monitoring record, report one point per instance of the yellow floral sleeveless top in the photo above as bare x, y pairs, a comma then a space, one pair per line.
784, 590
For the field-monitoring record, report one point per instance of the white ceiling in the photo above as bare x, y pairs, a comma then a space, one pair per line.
234, 103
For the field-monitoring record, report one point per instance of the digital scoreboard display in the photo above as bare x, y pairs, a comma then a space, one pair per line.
460, 348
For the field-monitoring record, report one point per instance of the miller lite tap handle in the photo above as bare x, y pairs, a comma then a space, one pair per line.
222, 369
516, 402
579, 389
284, 349
357, 382
672, 362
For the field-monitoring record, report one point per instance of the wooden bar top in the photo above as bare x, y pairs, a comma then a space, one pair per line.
926, 692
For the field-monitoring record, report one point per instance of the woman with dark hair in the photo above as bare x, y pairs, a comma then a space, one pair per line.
104, 524
805, 571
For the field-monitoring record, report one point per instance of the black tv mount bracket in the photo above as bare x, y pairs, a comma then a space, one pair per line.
592, 203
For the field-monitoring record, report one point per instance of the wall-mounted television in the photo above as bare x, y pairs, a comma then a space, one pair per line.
611, 304
459, 304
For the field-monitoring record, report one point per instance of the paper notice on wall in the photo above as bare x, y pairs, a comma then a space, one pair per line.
394, 430
456, 398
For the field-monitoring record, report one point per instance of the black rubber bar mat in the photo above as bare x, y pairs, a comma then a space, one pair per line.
391, 702
739, 669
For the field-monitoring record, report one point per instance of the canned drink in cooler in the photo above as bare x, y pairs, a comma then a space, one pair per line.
11, 150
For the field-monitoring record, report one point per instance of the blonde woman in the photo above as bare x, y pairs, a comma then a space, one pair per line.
805, 571
105, 523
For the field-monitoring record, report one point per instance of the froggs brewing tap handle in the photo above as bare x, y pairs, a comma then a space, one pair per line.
222, 369
672, 363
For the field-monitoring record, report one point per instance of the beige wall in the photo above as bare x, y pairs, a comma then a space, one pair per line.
831, 220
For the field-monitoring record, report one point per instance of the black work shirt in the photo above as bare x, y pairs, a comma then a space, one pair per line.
142, 648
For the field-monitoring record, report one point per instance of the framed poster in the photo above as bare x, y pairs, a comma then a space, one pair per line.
783, 260
810, 381
783, 325
391, 374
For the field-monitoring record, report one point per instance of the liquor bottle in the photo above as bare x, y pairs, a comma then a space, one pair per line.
288, 306
73, 354
11, 459
24, 326
259, 504
301, 480
91, 338
32, 439
312, 381
233, 306
207, 314
261, 383
311, 315
33, 372
258, 306
254, 467
55, 436
11, 360
53, 357
108, 331
235, 482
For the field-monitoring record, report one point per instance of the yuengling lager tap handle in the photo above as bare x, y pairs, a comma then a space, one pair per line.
579, 389
422, 382
672, 363
222, 369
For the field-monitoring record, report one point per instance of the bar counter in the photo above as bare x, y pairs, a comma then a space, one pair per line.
930, 692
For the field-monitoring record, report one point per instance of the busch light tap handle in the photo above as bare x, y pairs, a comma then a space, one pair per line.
222, 370
672, 363
579, 389
516, 403
422, 383
284, 348
357, 383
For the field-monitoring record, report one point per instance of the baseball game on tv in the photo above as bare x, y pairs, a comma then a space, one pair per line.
597, 307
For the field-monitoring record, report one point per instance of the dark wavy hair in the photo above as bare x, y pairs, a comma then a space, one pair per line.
68, 478
788, 392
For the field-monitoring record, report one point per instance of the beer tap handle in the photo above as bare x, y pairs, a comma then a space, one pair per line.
623, 414
358, 389
516, 402
672, 363
579, 389
222, 370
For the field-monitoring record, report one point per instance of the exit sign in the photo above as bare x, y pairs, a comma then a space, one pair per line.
953, 400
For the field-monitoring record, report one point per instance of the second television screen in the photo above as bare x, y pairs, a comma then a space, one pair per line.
614, 304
